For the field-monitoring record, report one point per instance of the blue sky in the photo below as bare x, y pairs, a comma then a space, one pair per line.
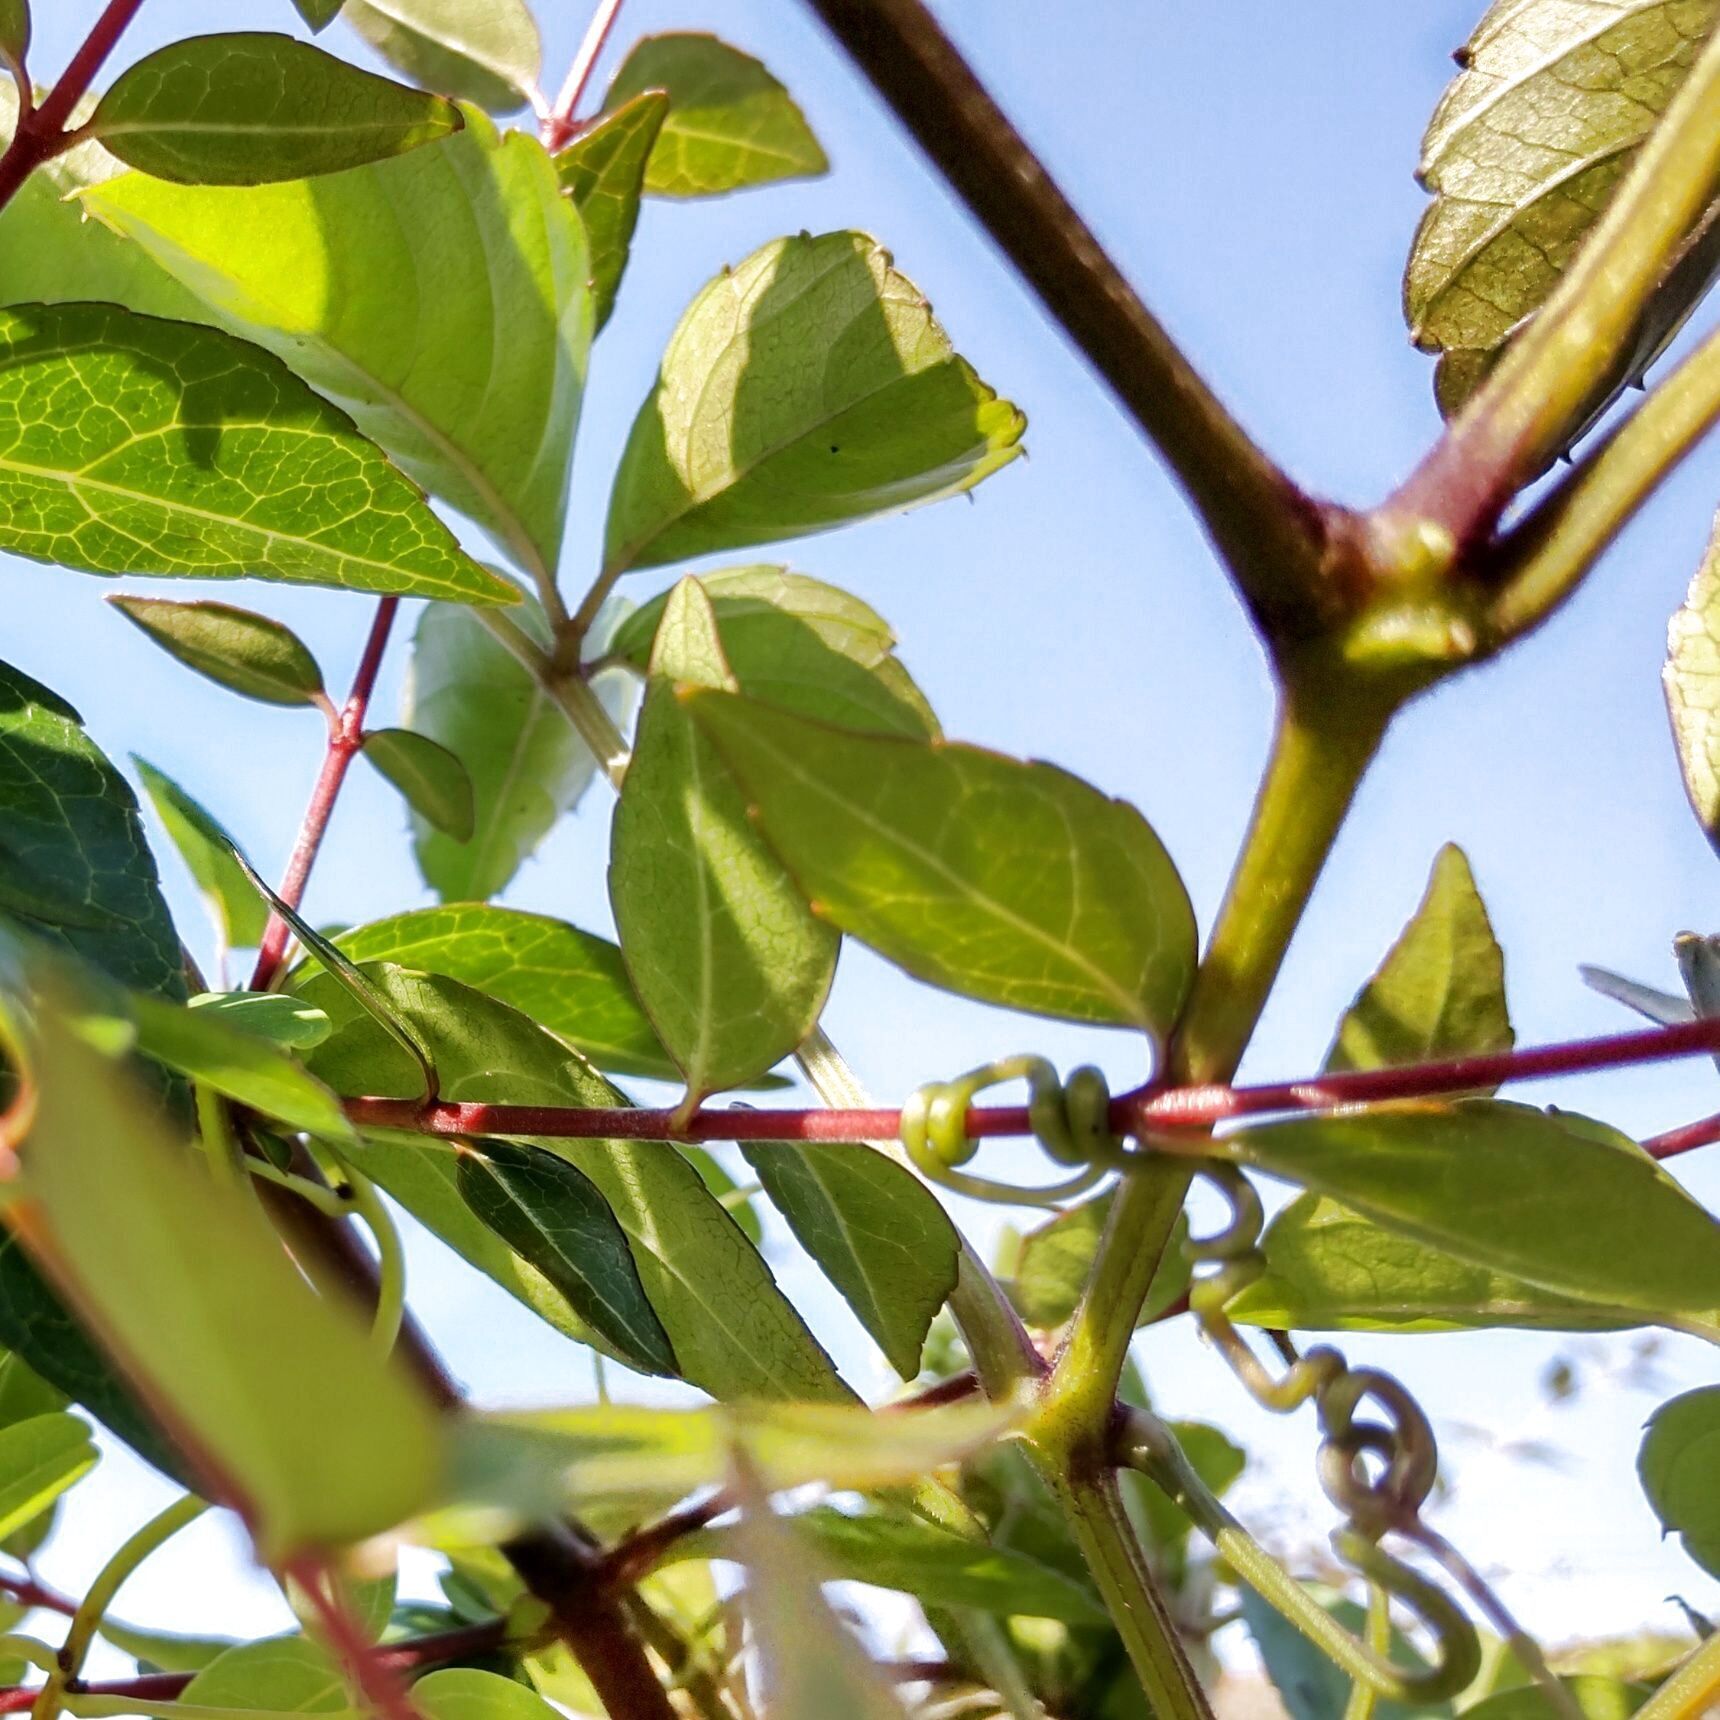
1250, 166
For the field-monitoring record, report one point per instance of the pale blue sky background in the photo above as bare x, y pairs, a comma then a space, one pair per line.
1249, 163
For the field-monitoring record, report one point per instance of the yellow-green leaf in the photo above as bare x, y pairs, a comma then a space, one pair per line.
603, 171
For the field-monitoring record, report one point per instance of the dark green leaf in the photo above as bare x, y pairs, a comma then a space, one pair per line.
726, 957
14, 30
803, 645
432, 780
930, 1563
743, 442
1440, 992
233, 647
1465, 1177
527, 764
733, 1332
485, 51
246, 108
1056, 1260
73, 862
238, 911
1596, 1699
874, 1228
1680, 1469
553, 1216
1014, 883
180, 450
603, 171
1692, 679
1523, 155
39, 1459
568, 981
476, 393
730, 123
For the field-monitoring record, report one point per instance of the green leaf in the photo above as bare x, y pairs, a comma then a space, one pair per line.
745, 442
874, 1228
568, 981
282, 1020
603, 171
279, 1675
1331, 1270
730, 123
1692, 681
39, 1459
432, 779
484, 51
733, 1332
246, 108
215, 1052
1440, 992
164, 1651
798, 643
1461, 1177
1596, 1699
279, 1394
736, 1203
476, 392
180, 450
234, 648
1523, 155
1015, 883
1056, 1260
239, 913
465, 1693
318, 13
552, 1215
1678, 1468
920, 1559
527, 763
73, 862
14, 30
726, 957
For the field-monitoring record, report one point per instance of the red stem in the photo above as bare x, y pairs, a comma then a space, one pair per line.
346, 737
42, 135
374, 1679
28, 1592
1145, 1110
559, 129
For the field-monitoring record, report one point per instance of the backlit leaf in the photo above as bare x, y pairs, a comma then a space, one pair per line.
744, 441
432, 779
238, 911
39, 1459
467, 1693
486, 51
14, 30
603, 171
1692, 681
730, 123
245, 108
552, 1215
874, 1228
1014, 883
283, 1020
180, 450
1463, 1177
724, 953
464, 359
1055, 1261
235, 648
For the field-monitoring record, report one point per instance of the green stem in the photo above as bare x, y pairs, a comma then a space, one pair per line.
1364, 1698
390, 1259
1689, 1693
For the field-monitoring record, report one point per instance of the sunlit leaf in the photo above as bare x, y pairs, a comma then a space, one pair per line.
1680, 1469
1596, 1698
245, 108
180, 450
730, 123
1015, 883
238, 911
874, 1228
431, 779
486, 51
235, 648
1055, 1261
280, 1395
73, 862
39, 1459
1692, 680
1461, 1178
724, 953
745, 442
553, 1216
603, 171
1440, 992
468, 369
286, 1021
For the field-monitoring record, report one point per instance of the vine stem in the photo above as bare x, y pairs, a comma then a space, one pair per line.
41, 133
559, 127
345, 739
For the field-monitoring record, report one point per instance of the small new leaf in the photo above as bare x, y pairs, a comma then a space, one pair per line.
234, 648
1680, 1469
603, 171
14, 31
730, 123
432, 780
483, 51
248, 108
1012, 882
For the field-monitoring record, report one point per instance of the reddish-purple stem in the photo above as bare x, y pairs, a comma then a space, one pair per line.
374, 1679
1145, 1110
41, 135
345, 738
29, 1592
560, 127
